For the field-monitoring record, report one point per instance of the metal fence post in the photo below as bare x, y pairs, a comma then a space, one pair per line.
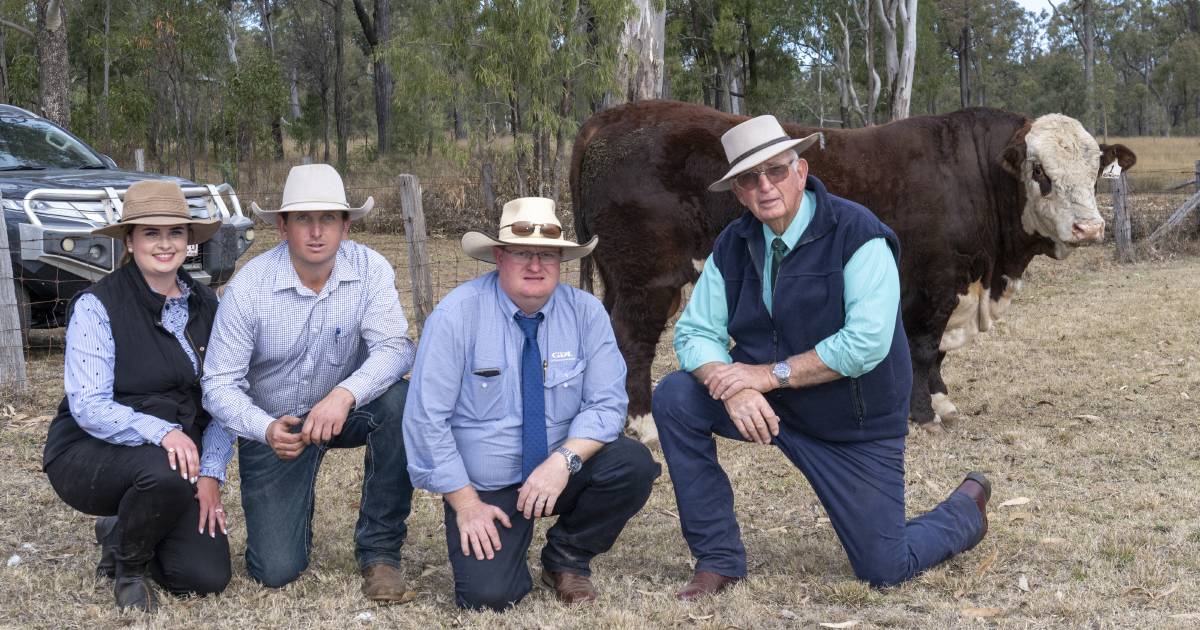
13, 377
418, 255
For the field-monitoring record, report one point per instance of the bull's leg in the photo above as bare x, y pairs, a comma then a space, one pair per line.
639, 317
924, 353
943, 408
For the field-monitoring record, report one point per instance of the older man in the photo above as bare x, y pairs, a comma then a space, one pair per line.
806, 284
307, 354
515, 413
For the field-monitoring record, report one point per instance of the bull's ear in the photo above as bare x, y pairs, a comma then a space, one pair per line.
1013, 157
1118, 152
1014, 154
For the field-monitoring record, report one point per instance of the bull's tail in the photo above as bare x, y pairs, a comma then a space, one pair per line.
579, 202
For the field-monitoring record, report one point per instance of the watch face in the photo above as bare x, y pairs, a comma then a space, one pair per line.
781, 370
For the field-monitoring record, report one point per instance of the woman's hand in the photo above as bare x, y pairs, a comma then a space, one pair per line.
182, 454
212, 513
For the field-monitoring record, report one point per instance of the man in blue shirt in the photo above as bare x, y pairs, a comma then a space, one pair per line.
806, 285
515, 412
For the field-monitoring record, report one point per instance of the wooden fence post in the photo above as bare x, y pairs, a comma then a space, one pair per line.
139, 159
1196, 173
1121, 228
418, 255
12, 351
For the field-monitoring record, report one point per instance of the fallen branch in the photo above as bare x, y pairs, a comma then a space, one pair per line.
1176, 218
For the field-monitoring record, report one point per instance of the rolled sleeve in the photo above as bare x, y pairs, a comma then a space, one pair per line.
230, 348
383, 329
701, 334
434, 463
872, 298
605, 401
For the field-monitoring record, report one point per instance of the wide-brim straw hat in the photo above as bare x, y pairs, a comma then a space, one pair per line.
755, 141
536, 210
314, 188
158, 202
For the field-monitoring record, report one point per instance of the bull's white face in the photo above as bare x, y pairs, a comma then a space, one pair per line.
1059, 175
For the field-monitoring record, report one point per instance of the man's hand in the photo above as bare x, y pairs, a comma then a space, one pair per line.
753, 416
723, 381
181, 454
540, 491
287, 445
325, 420
212, 512
477, 529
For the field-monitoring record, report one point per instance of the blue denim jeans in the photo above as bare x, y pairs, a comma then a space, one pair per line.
278, 496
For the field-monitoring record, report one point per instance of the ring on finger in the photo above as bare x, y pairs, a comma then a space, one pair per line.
219, 511
171, 450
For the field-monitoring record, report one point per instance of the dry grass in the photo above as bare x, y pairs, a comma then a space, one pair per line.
1084, 401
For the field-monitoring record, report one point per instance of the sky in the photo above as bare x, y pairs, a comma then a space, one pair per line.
1037, 5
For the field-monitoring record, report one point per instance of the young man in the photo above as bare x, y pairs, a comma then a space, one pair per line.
307, 353
806, 284
517, 403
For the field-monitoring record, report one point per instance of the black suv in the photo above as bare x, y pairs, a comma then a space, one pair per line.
55, 189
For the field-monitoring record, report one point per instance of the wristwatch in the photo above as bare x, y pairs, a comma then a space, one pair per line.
782, 372
573, 461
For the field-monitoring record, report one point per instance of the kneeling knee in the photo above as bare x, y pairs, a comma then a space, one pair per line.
210, 583
673, 393
277, 576
497, 597
880, 576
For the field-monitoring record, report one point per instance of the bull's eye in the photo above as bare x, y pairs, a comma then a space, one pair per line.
1043, 181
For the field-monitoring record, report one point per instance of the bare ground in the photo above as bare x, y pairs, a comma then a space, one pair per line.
1083, 406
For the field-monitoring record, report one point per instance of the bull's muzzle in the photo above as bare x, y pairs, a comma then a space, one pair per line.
1088, 230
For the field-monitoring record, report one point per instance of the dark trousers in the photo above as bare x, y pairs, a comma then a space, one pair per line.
861, 485
158, 517
592, 510
278, 496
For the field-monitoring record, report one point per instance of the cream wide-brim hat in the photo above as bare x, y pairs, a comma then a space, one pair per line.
314, 188
158, 202
536, 210
755, 141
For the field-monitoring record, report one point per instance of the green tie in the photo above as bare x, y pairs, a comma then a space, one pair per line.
778, 250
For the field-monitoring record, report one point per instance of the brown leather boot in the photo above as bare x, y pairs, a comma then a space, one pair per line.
571, 588
383, 582
976, 486
705, 583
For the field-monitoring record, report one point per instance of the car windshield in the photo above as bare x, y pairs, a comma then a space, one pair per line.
37, 144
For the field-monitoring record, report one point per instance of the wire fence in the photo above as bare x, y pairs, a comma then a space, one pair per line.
44, 277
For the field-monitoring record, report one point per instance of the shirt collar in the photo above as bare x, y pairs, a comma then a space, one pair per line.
799, 223
287, 278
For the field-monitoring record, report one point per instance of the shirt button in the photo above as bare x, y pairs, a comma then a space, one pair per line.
483, 385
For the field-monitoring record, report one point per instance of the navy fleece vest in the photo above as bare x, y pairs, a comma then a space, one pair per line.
808, 306
151, 372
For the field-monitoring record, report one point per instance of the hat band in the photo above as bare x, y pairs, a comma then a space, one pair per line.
758, 148
174, 215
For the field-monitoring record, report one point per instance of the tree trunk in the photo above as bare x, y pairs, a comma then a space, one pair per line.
54, 70
107, 65
267, 10
339, 88
294, 95
3, 67
1089, 63
640, 70
376, 30
964, 64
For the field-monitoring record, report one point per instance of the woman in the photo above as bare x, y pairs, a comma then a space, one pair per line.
131, 441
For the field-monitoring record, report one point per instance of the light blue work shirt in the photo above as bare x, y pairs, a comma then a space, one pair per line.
462, 417
871, 294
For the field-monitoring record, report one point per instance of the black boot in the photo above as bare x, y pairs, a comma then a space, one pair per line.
106, 537
133, 590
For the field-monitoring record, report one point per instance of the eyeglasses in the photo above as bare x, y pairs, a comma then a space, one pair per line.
523, 256
526, 228
775, 174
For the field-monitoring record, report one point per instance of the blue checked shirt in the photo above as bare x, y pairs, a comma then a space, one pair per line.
277, 348
88, 380
462, 418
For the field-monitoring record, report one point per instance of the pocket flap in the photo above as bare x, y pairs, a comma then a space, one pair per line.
561, 373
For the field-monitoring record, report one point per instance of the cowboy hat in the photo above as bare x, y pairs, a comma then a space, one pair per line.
539, 213
158, 202
755, 141
314, 188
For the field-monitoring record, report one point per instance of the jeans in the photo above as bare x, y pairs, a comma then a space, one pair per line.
157, 513
860, 484
278, 496
592, 510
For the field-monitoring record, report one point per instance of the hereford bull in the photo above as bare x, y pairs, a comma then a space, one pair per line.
973, 195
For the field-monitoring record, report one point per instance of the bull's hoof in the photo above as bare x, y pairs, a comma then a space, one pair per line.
642, 427
944, 409
933, 427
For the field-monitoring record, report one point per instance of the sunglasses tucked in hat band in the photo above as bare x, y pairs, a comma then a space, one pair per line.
527, 222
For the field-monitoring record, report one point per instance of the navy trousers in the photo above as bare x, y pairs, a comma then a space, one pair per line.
861, 485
